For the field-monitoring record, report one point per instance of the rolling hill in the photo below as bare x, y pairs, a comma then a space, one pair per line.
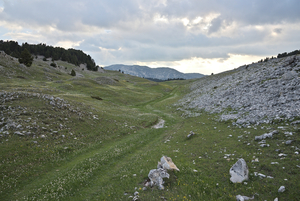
163, 73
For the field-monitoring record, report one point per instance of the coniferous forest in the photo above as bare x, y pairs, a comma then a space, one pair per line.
73, 56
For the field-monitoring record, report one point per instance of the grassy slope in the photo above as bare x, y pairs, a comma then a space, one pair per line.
108, 151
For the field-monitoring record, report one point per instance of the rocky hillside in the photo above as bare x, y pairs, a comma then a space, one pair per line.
154, 73
253, 94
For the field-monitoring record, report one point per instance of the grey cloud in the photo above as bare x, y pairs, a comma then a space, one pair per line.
278, 30
132, 28
216, 24
246, 12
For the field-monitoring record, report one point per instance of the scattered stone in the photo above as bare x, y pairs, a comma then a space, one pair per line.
261, 175
239, 171
19, 133
190, 134
242, 198
281, 155
266, 135
296, 122
273, 163
135, 198
289, 142
288, 133
160, 124
264, 145
281, 189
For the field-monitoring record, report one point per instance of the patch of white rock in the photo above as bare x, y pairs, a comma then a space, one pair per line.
252, 94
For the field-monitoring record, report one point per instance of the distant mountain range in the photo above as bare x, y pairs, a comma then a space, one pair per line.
162, 73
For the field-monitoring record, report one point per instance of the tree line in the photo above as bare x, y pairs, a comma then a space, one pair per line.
282, 55
73, 56
285, 54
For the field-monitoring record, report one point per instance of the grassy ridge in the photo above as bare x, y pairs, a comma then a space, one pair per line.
104, 149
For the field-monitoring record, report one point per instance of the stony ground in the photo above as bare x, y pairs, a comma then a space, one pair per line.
252, 94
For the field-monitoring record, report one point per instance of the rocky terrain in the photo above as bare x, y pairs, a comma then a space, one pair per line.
34, 121
252, 94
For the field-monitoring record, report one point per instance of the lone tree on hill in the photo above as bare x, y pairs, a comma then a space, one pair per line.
26, 58
73, 73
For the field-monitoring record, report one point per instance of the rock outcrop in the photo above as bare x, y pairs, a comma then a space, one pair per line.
253, 94
156, 175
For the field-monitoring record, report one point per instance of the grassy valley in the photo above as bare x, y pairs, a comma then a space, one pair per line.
90, 137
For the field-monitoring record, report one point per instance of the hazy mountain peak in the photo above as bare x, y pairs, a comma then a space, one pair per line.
162, 73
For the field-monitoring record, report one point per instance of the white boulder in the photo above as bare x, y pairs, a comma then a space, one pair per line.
239, 171
156, 177
167, 163
281, 189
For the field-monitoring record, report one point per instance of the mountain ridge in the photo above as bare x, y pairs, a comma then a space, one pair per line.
162, 73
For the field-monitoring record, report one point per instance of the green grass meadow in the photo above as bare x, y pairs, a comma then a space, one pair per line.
101, 144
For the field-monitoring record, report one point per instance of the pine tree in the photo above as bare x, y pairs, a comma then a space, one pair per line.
73, 73
26, 58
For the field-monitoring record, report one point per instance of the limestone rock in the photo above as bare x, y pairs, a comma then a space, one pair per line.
266, 135
242, 198
190, 134
258, 94
167, 163
156, 177
239, 171
281, 189
289, 142
19, 133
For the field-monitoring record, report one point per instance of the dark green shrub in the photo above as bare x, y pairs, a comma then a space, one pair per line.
26, 58
73, 73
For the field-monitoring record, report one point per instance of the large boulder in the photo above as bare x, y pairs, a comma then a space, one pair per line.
156, 177
239, 171
167, 163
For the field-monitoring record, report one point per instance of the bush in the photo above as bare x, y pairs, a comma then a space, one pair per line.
73, 73
53, 65
26, 58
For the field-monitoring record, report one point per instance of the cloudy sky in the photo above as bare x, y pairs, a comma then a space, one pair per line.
204, 36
